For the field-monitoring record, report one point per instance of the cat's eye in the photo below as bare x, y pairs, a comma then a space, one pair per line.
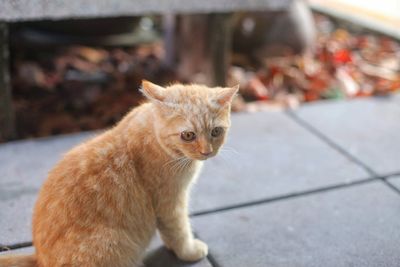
188, 136
217, 131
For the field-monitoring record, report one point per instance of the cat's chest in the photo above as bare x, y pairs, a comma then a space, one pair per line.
182, 175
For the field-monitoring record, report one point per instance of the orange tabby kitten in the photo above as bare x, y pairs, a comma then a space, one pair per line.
101, 205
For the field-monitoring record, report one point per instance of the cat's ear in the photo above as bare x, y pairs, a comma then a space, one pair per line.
153, 91
225, 95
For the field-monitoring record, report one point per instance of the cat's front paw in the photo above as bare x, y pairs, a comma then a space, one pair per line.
194, 251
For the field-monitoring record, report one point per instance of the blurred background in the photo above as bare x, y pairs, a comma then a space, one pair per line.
80, 72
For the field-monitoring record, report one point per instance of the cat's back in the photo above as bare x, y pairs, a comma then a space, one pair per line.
100, 160
91, 187
96, 171
70, 178
82, 159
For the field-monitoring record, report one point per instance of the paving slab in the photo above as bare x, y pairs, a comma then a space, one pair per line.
395, 181
269, 155
23, 168
353, 226
367, 128
156, 256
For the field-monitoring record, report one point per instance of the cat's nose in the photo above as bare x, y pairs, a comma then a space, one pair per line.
207, 153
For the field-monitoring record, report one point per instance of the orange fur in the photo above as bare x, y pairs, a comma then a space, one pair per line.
102, 203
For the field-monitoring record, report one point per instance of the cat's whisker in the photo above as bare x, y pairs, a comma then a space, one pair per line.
180, 167
184, 164
173, 161
175, 166
188, 162
179, 164
170, 162
230, 149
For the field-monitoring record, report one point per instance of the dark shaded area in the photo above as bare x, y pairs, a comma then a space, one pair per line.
162, 257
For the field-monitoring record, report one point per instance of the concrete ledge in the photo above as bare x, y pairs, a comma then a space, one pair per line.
22, 10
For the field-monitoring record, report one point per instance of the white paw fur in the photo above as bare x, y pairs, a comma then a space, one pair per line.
194, 251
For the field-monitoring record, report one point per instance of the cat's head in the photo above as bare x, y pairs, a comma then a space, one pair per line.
190, 120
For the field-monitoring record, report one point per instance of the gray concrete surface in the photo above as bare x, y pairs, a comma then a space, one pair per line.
269, 155
288, 190
23, 168
354, 226
284, 158
367, 129
395, 181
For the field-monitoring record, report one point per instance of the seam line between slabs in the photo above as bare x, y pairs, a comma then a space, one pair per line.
329, 142
4, 248
15, 246
306, 125
284, 197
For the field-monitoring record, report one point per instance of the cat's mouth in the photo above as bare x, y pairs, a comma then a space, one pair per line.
194, 155
205, 156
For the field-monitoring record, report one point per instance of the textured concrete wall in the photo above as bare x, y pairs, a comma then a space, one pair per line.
19, 10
